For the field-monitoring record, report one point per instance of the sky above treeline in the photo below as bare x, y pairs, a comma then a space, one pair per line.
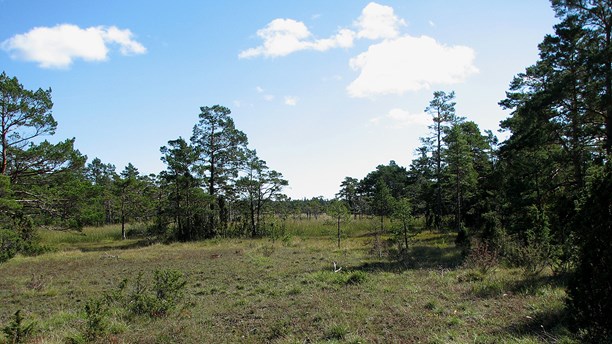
323, 89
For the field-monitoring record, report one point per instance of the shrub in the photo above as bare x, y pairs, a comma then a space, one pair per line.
590, 291
356, 277
482, 257
167, 292
168, 288
17, 331
341, 278
10, 244
95, 314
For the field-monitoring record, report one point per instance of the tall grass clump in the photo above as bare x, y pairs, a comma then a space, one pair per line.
87, 235
323, 226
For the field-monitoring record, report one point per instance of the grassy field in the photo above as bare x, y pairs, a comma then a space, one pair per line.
286, 291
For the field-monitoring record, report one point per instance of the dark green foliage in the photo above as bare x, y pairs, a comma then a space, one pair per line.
183, 190
258, 187
355, 277
10, 244
462, 240
220, 147
402, 212
590, 290
161, 298
95, 318
17, 330
348, 193
25, 115
442, 110
394, 177
168, 287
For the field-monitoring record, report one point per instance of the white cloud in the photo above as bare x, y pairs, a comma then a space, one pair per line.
291, 101
127, 46
343, 39
378, 21
282, 37
59, 46
403, 118
375, 120
268, 97
399, 118
259, 89
396, 64
409, 64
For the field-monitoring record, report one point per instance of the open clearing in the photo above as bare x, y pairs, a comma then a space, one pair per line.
257, 290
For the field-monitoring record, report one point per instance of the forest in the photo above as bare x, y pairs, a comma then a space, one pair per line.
538, 201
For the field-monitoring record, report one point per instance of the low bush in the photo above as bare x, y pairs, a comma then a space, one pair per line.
95, 315
166, 293
482, 257
17, 330
10, 244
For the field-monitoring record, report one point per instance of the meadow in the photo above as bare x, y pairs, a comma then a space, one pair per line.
287, 290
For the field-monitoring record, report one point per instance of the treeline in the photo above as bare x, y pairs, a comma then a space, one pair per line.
213, 183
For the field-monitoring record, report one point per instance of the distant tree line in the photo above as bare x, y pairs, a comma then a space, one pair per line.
213, 185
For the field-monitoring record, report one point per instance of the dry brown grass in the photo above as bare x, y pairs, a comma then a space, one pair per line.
253, 291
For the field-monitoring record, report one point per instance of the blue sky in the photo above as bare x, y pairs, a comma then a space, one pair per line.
323, 89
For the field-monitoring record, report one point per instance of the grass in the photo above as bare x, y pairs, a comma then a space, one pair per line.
253, 291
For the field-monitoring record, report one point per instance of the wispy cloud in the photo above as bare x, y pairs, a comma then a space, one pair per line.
59, 46
400, 118
266, 96
291, 100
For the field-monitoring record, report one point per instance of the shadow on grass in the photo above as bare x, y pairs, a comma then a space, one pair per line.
417, 257
549, 326
532, 284
127, 246
437, 238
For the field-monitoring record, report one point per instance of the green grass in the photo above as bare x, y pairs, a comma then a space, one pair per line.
253, 291
89, 239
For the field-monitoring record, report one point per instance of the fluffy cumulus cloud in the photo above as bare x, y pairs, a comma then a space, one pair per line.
394, 63
59, 46
378, 21
408, 63
282, 37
